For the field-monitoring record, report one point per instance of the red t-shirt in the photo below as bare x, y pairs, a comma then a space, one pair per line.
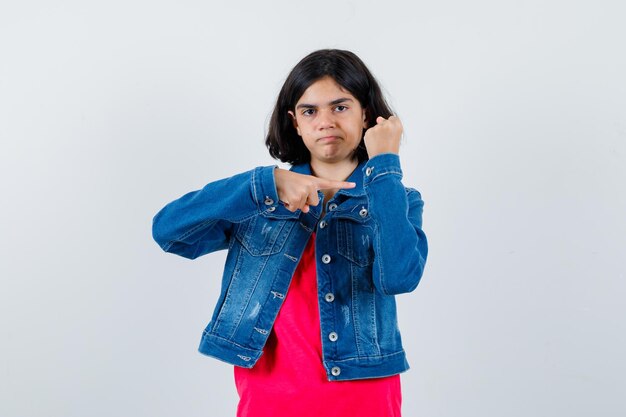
289, 379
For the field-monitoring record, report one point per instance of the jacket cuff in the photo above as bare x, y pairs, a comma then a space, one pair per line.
264, 187
380, 165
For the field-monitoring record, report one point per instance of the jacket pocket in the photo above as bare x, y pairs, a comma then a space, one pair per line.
355, 241
262, 236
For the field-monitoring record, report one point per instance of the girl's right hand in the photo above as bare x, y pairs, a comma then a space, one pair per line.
299, 191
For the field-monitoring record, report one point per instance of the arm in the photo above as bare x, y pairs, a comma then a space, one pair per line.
400, 245
201, 221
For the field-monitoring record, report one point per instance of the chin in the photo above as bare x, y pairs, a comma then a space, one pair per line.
335, 158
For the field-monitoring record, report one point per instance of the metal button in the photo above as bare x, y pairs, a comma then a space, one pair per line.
269, 201
332, 206
323, 224
335, 370
271, 209
330, 297
368, 171
326, 258
363, 212
333, 336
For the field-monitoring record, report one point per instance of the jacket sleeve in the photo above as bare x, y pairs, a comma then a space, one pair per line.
201, 221
400, 245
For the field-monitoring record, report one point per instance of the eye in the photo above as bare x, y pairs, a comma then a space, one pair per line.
343, 108
307, 110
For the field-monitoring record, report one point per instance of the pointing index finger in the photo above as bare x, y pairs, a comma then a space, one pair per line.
330, 184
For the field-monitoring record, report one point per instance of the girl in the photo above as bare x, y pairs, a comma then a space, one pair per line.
316, 253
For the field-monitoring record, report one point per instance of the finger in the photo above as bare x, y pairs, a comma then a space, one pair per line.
313, 199
395, 119
301, 203
330, 184
290, 207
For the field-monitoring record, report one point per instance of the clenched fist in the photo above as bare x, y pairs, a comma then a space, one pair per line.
384, 137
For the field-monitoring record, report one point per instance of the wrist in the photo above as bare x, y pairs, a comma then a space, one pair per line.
383, 151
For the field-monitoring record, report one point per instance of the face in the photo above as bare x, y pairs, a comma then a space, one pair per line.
330, 121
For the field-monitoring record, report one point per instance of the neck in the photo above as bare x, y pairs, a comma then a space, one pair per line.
337, 171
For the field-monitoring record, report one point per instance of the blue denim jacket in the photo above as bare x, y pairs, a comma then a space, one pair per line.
369, 247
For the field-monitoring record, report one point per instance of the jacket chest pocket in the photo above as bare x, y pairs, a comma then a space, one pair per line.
355, 236
263, 236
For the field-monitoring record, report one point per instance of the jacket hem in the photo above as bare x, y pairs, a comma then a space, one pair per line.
227, 351
350, 369
365, 368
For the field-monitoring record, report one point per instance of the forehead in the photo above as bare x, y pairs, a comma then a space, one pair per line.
323, 91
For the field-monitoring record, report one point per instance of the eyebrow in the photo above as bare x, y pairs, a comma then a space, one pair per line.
309, 106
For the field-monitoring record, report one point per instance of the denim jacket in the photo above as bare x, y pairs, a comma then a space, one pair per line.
369, 246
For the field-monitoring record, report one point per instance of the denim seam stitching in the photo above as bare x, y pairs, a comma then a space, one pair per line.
228, 295
360, 358
373, 324
251, 293
254, 192
190, 232
380, 174
378, 249
230, 341
357, 325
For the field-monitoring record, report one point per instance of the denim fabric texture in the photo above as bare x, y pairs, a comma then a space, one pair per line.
370, 246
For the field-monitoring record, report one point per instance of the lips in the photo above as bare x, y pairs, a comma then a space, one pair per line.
329, 138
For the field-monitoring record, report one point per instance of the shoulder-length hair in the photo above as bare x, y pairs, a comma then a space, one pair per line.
347, 69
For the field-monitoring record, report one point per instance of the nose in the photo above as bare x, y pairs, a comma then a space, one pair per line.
326, 120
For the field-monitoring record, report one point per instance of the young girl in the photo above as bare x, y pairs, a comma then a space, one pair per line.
316, 253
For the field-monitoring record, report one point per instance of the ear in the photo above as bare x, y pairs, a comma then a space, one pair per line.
365, 123
294, 121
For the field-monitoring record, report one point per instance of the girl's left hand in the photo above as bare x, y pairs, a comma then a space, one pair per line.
384, 137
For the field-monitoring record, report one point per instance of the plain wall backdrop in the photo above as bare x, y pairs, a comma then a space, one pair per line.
515, 134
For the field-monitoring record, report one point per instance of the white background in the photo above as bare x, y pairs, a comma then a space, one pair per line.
515, 134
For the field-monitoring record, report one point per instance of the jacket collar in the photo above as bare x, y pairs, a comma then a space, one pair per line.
356, 176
